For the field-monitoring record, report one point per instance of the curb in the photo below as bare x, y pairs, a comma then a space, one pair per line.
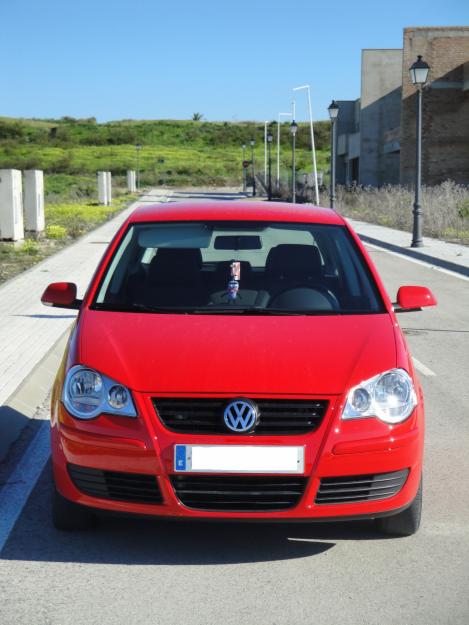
412, 253
21, 406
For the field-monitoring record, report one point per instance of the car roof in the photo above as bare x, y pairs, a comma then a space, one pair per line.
235, 210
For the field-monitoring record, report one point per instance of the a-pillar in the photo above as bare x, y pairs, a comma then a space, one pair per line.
102, 188
11, 205
34, 222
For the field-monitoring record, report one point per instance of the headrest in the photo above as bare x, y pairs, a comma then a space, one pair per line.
289, 261
175, 266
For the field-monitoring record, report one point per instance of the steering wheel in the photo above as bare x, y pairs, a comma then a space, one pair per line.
331, 298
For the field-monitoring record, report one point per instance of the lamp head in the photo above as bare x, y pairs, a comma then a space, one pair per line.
419, 71
333, 110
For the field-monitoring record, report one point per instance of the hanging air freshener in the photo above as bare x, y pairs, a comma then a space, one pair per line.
233, 288
233, 284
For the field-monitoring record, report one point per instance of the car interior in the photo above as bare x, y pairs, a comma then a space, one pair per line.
315, 272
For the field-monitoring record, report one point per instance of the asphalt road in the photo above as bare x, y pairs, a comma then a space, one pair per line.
139, 572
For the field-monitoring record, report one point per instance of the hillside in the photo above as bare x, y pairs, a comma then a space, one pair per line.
172, 152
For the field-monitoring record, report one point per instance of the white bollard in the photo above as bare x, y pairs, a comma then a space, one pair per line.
102, 188
11, 205
131, 181
109, 187
34, 221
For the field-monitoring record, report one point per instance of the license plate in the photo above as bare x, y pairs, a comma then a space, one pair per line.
238, 459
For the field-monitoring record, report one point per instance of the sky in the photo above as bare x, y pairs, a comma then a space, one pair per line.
233, 61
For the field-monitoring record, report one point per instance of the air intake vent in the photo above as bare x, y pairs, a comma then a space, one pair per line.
238, 493
356, 488
205, 416
132, 487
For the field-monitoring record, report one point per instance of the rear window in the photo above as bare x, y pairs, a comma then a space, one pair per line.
257, 268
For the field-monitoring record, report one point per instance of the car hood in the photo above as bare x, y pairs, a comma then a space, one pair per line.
298, 355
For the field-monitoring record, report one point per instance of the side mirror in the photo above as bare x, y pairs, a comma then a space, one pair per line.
410, 298
61, 295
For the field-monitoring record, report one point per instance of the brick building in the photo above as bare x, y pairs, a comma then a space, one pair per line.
376, 134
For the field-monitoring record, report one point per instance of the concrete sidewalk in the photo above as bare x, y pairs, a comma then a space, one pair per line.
449, 256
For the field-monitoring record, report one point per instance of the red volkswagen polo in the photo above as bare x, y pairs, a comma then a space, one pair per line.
237, 360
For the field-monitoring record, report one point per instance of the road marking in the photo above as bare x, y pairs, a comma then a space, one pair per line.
21, 482
417, 261
422, 368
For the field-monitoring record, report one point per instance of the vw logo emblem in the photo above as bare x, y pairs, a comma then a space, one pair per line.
240, 416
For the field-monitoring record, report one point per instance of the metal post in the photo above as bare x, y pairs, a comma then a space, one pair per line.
332, 182
265, 153
278, 148
417, 240
278, 155
253, 172
137, 148
244, 168
293, 167
270, 172
313, 149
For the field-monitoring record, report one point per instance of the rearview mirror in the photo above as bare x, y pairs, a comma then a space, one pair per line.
410, 298
61, 295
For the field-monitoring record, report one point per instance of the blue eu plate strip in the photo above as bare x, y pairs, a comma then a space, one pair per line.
180, 458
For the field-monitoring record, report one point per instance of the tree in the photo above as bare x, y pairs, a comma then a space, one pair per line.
197, 117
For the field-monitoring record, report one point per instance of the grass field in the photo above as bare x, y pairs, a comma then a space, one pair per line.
172, 152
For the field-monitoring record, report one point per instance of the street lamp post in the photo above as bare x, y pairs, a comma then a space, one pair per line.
313, 149
252, 143
244, 168
269, 144
278, 147
418, 74
333, 114
138, 147
293, 130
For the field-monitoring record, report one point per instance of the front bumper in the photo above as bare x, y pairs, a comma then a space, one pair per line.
143, 447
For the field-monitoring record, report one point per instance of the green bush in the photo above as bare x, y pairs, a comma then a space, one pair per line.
29, 247
463, 209
76, 219
53, 231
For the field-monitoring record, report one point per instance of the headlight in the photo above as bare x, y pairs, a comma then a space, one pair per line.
87, 393
389, 396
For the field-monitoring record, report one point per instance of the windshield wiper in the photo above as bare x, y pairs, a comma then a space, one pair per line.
243, 311
140, 308
230, 310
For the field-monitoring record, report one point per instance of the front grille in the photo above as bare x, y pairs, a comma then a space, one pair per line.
205, 416
356, 488
238, 493
132, 487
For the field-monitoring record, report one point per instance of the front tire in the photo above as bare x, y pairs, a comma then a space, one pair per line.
404, 523
69, 517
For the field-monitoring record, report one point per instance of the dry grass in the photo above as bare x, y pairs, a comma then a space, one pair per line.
445, 208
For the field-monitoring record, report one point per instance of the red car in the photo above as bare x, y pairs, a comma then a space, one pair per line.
237, 360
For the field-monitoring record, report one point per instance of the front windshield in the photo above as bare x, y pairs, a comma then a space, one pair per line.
242, 267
